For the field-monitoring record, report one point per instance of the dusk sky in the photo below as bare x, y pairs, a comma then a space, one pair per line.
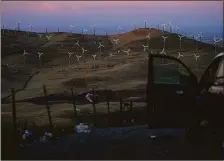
191, 16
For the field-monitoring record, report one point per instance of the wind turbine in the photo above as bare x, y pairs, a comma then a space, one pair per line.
71, 28
170, 26
216, 40
69, 58
94, 29
145, 22
180, 38
100, 46
39, 57
94, 58
48, 37
119, 29
18, 25
149, 37
85, 31
83, 52
106, 32
135, 27
196, 58
200, 36
164, 27
179, 55
3, 28
116, 41
196, 41
77, 44
177, 29
127, 51
164, 41
158, 25
145, 47
40, 35
25, 55
163, 53
30, 27
78, 59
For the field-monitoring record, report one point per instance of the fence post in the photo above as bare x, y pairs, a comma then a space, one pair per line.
47, 107
121, 109
13, 111
74, 105
94, 107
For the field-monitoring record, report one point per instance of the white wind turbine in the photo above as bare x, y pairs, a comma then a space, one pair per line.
196, 59
39, 57
170, 26
48, 37
106, 32
127, 51
145, 22
216, 40
40, 35
180, 38
78, 59
83, 52
145, 47
179, 55
177, 29
158, 25
71, 28
149, 37
69, 58
116, 41
94, 29
18, 25
164, 41
163, 53
119, 29
100, 46
85, 31
94, 58
30, 28
200, 36
3, 28
196, 41
77, 44
135, 27
25, 55
164, 27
